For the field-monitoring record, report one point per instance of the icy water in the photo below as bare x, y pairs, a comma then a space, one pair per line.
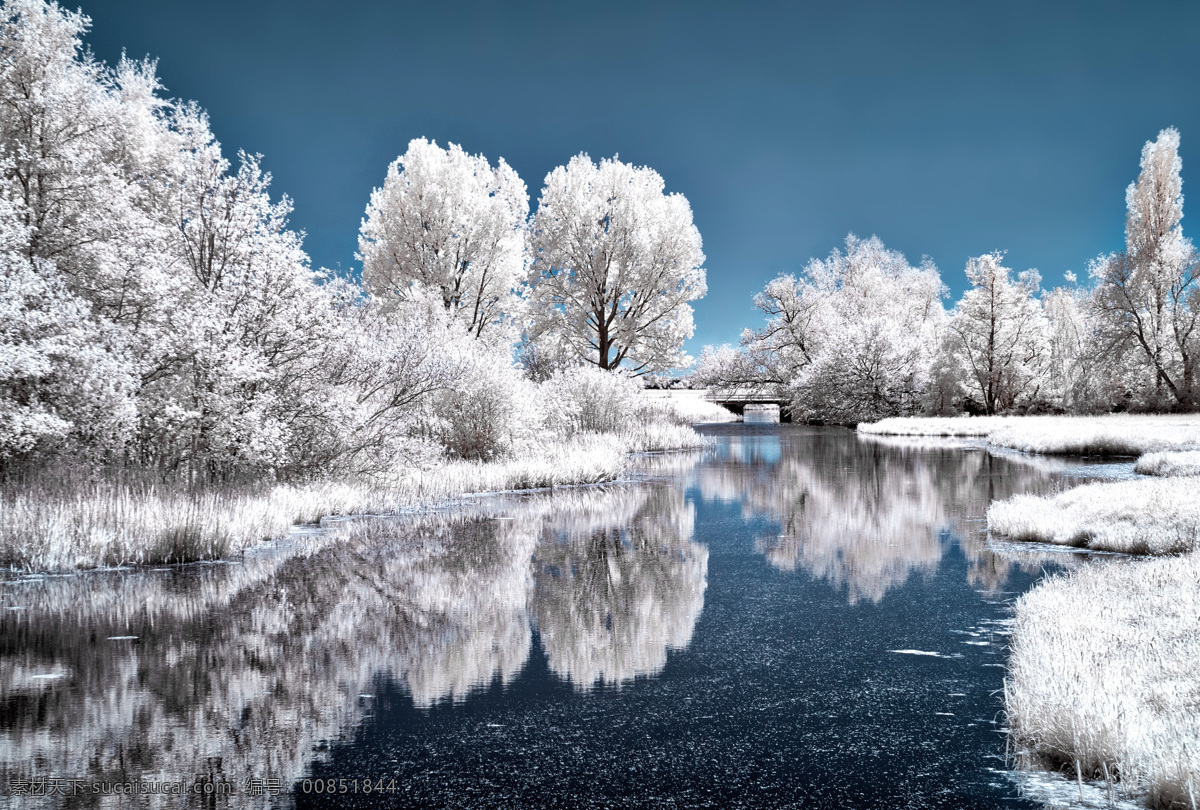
797, 618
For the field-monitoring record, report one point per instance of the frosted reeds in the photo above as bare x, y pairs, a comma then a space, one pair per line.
1103, 682
690, 407
111, 525
1185, 462
1109, 435
1146, 516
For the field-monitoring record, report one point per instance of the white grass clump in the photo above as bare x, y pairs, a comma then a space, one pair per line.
1147, 516
1118, 435
690, 407
113, 525
1110, 435
1103, 680
1186, 462
956, 426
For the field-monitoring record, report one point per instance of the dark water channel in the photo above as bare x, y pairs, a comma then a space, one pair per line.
797, 618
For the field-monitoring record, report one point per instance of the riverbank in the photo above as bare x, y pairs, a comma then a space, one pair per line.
1102, 680
1108, 435
108, 525
1102, 683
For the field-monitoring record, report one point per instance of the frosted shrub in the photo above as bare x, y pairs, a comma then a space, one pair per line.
587, 399
491, 412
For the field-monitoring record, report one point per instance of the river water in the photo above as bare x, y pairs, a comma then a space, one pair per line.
797, 617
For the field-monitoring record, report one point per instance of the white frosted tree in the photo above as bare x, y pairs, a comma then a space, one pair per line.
850, 339
1148, 295
155, 307
616, 263
60, 383
1077, 374
450, 223
78, 263
999, 338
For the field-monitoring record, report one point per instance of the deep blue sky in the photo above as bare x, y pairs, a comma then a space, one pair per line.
947, 129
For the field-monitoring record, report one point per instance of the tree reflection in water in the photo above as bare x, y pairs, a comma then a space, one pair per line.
613, 596
864, 513
233, 671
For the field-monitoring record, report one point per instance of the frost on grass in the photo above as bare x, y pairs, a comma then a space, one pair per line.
1147, 516
1186, 462
1103, 682
1111, 435
690, 406
112, 525
957, 426
1103, 435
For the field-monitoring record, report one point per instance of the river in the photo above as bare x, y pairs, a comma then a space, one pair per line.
797, 617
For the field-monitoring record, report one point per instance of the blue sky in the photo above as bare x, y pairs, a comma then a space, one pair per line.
947, 129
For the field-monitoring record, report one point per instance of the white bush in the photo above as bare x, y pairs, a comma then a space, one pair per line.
586, 399
491, 412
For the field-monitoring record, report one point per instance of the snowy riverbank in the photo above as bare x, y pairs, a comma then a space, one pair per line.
1109, 435
110, 525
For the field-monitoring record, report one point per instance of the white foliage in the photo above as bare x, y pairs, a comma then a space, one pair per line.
1148, 295
999, 338
448, 222
850, 339
1102, 679
616, 261
1147, 516
585, 399
1169, 463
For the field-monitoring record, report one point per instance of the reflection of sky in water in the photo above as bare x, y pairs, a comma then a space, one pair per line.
721, 636
750, 449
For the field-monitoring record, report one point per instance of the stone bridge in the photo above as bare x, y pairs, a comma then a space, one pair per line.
736, 400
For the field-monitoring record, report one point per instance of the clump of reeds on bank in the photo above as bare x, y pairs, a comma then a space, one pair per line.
1146, 516
1109, 435
1103, 682
1181, 463
955, 426
690, 406
109, 524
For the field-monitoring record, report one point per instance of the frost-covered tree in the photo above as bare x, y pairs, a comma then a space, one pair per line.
156, 307
1077, 374
59, 380
1148, 295
72, 229
616, 263
850, 339
449, 222
999, 337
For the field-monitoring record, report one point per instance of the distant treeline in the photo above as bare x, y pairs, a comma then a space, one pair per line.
863, 334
